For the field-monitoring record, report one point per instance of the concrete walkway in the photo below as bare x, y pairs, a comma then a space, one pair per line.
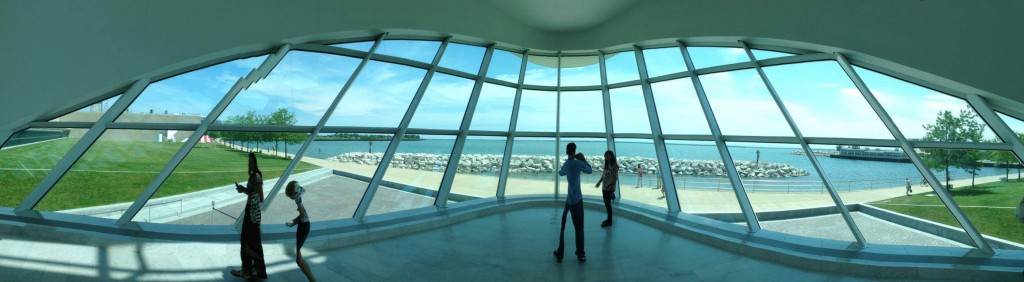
693, 201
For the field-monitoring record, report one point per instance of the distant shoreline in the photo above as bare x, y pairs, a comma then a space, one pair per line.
363, 139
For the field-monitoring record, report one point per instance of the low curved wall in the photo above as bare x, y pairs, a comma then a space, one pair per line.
815, 254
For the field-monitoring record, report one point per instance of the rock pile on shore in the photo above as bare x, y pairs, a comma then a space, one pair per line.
491, 163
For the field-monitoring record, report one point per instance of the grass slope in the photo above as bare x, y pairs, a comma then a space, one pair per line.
118, 171
975, 202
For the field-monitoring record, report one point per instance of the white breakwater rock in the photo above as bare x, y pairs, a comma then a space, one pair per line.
491, 163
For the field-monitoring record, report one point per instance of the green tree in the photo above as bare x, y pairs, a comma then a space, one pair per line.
965, 128
1006, 158
284, 117
246, 138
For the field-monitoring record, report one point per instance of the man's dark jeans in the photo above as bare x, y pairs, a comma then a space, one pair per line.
577, 223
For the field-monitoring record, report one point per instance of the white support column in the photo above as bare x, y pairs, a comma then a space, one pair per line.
319, 126
503, 174
997, 124
403, 126
558, 121
460, 142
944, 195
716, 132
608, 128
197, 134
665, 167
83, 144
807, 150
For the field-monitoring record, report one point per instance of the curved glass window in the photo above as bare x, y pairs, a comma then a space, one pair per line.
494, 108
621, 67
505, 66
201, 191
700, 179
581, 111
824, 102
541, 70
679, 109
189, 97
704, 57
91, 113
580, 71
629, 111
538, 111
379, 97
786, 193
414, 174
358, 46
443, 103
462, 57
561, 101
1015, 124
302, 86
416, 50
663, 61
28, 156
479, 167
765, 54
639, 171
533, 166
113, 172
743, 105
926, 114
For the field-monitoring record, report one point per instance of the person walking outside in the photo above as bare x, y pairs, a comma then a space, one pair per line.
571, 169
252, 245
661, 183
609, 177
294, 191
909, 190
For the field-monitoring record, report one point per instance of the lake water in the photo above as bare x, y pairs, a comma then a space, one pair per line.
840, 171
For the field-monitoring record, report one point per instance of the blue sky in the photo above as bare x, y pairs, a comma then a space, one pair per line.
819, 95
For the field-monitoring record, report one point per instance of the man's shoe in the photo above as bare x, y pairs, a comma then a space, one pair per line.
582, 258
238, 273
606, 223
558, 257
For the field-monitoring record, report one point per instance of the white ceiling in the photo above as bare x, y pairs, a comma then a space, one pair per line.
59, 54
563, 15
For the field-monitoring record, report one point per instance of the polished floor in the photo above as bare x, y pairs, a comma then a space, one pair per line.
510, 246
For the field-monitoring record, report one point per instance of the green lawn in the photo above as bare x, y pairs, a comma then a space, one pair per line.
117, 171
998, 222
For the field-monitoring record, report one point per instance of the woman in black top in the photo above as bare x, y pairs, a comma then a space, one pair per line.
610, 177
252, 246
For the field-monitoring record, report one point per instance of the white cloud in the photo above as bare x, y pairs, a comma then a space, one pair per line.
733, 55
541, 77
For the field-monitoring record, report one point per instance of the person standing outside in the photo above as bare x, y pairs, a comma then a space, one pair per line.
252, 245
609, 177
639, 176
571, 169
909, 190
295, 191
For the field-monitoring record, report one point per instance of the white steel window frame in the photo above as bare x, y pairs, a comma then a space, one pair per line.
95, 129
